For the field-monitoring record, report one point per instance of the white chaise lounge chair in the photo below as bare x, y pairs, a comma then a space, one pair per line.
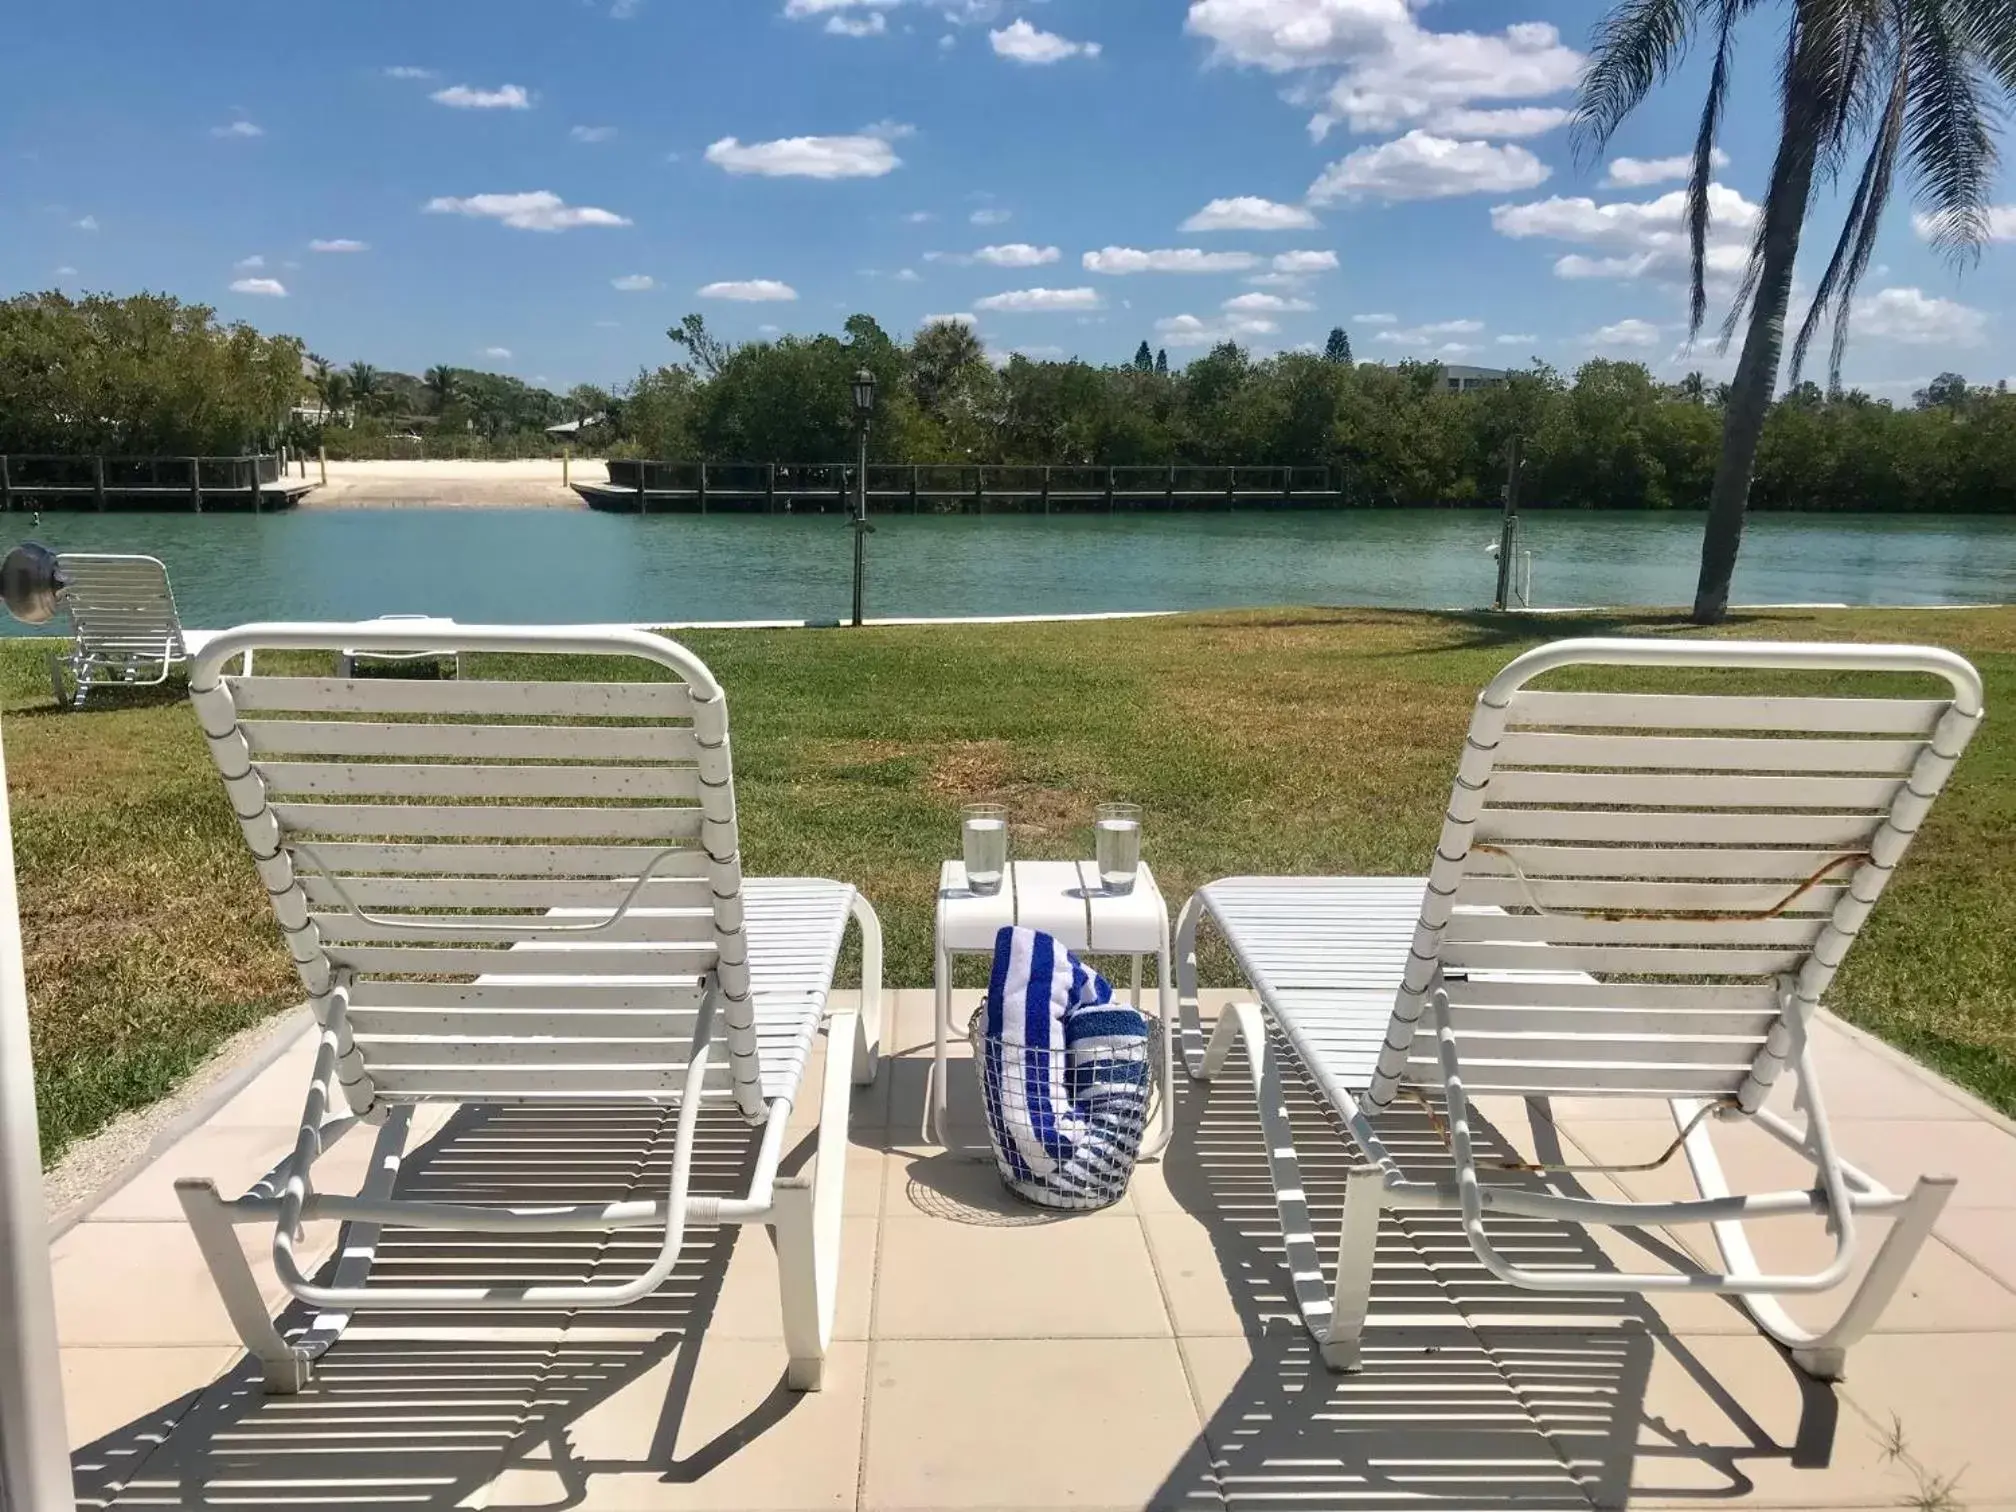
125, 631
1634, 895
526, 892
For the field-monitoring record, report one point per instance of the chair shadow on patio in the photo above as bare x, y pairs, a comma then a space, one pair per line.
1473, 1393
423, 1410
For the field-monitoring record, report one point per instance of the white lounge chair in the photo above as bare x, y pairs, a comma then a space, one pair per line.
1634, 895
125, 631
526, 893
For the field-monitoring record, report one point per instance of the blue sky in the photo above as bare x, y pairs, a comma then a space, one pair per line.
542, 186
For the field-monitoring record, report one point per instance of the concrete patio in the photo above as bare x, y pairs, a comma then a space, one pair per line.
989, 1355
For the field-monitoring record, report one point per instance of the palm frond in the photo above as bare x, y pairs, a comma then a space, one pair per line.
1948, 136
1989, 27
1858, 233
1634, 46
1727, 12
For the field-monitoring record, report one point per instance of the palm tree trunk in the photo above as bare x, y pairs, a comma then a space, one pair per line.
1756, 372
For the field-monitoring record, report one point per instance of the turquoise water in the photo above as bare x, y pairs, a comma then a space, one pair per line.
554, 566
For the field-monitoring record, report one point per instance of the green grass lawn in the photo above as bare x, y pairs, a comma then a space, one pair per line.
1294, 740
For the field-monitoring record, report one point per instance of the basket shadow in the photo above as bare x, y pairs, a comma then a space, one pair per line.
425, 1409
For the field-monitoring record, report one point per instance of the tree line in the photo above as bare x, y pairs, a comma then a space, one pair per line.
147, 375
1609, 435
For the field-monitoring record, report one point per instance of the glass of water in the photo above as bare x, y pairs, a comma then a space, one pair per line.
1117, 841
983, 831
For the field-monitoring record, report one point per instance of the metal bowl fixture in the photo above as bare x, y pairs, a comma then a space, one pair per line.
31, 580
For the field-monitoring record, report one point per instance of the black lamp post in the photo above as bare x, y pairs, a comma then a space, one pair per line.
864, 406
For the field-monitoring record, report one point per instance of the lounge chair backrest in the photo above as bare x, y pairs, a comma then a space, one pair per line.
1666, 876
446, 852
120, 607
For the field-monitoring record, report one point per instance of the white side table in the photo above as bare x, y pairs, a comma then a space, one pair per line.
1064, 899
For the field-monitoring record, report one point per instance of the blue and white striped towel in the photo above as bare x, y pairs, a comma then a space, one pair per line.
1065, 1074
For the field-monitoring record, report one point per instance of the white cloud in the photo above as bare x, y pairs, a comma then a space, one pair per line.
406, 71
907, 275
86, 223
338, 244
1038, 353
1279, 280
1636, 238
502, 353
623, 10
2001, 224
947, 42
1635, 173
956, 317
1377, 318
534, 210
1039, 301
1521, 339
634, 283
919, 218
1915, 318
591, 134
1435, 336
245, 263
1305, 262
1017, 255
767, 329
865, 154
799, 10
873, 24
1189, 330
1117, 261
1509, 121
272, 288
1420, 166
243, 129
1393, 70
1248, 212
1022, 43
749, 290
1629, 332
66, 271
503, 97
991, 217
1258, 304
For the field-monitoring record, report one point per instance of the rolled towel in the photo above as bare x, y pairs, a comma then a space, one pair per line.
1065, 1074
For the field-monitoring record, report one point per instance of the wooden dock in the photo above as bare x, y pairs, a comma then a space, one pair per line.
929, 488
242, 484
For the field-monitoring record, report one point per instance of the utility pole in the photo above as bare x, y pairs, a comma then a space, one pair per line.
864, 406
1508, 532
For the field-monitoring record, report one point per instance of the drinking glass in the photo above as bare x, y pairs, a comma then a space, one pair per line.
1117, 844
983, 831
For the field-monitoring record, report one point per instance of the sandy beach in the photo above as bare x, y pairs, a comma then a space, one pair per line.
451, 485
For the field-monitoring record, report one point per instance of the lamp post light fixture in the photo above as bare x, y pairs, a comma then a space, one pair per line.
864, 407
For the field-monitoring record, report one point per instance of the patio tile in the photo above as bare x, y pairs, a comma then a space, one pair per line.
1082, 1276
708, 1425
1981, 1157
146, 1284
381, 1423
963, 1185
1032, 1424
1861, 1083
1220, 1281
1430, 1418
120, 1404
1679, 1420
275, 1095
1987, 1236
749, 1308
1949, 1398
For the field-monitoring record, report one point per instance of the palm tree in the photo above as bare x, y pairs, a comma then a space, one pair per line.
440, 384
335, 393
365, 388
1907, 79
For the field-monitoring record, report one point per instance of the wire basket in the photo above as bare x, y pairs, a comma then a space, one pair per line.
1066, 1125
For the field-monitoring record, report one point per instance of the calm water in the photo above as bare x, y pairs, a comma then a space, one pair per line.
533, 566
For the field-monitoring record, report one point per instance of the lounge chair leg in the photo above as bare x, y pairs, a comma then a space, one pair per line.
1336, 1335
1190, 1029
1351, 1298
286, 1368
1822, 1354
868, 1036
806, 1219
